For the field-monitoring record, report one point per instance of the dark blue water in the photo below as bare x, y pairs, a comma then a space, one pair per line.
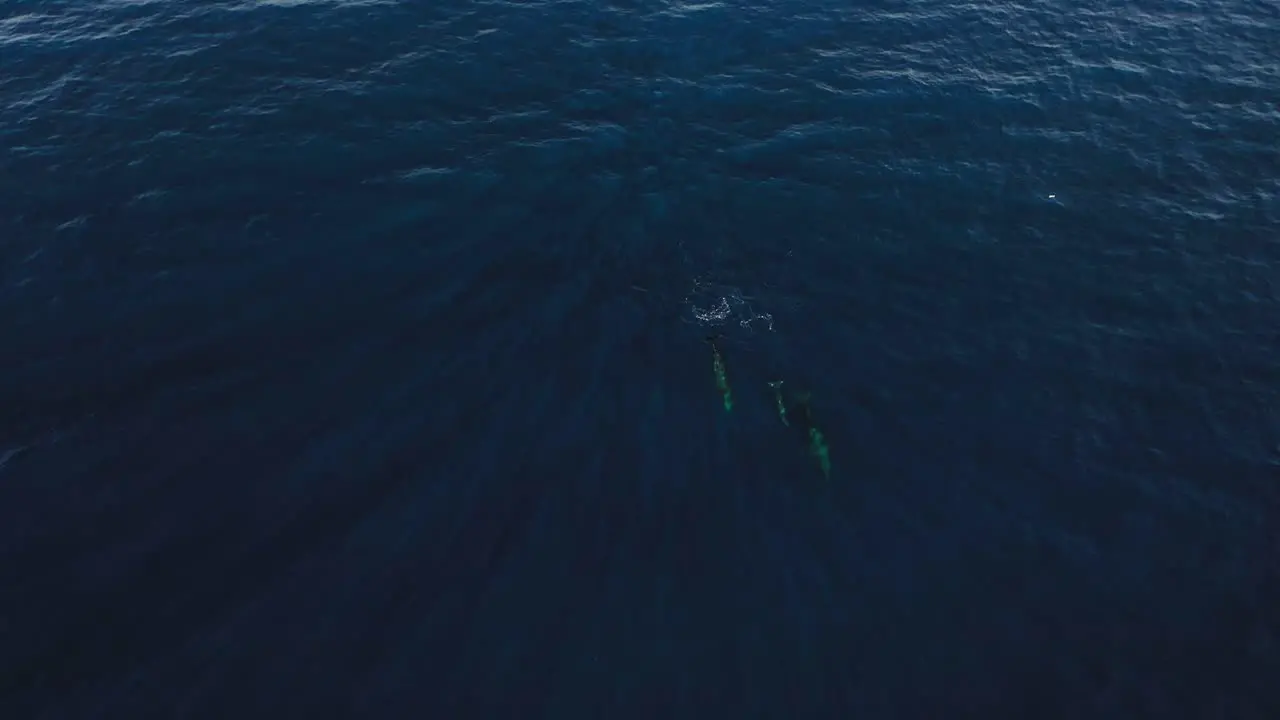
352, 360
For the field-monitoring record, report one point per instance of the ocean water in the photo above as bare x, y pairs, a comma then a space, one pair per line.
352, 359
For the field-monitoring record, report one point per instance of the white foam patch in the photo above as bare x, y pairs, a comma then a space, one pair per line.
712, 304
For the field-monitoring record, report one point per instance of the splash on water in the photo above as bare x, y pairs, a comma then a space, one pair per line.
714, 304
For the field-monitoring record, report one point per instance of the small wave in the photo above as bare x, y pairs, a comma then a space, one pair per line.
679, 8
426, 171
10, 454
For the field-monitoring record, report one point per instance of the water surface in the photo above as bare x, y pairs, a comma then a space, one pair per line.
353, 359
